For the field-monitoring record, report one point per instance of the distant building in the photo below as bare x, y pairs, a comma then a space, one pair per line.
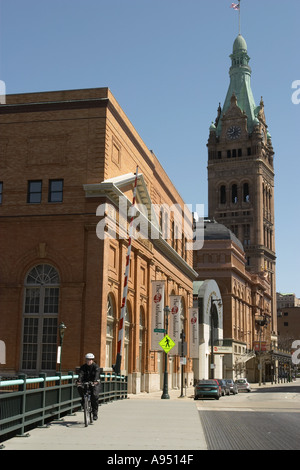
246, 302
288, 326
286, 300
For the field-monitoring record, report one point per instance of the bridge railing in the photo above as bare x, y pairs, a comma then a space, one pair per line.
26, 403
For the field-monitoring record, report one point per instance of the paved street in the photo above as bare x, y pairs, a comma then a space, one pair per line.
267, 418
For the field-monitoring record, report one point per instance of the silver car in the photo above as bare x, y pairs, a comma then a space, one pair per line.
243, 384
233, 386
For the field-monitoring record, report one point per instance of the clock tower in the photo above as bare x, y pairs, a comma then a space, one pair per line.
241, 171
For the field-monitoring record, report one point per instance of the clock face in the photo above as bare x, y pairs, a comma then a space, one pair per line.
234, 132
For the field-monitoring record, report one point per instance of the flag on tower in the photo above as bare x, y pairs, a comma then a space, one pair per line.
235, 6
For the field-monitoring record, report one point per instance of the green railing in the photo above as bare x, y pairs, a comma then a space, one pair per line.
26, 403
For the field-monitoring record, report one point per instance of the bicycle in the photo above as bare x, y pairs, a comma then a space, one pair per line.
87, 403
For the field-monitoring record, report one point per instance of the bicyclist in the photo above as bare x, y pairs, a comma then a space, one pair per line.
90, 372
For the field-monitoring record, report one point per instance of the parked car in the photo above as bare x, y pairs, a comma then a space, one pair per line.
207, 388
225, 389
232, 386
243, 384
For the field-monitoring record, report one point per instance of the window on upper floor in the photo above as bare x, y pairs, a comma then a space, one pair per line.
34, 192
246, 192
223, 194
56, 190
234, 194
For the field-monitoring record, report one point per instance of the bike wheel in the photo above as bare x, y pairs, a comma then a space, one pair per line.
90, 412
86, 411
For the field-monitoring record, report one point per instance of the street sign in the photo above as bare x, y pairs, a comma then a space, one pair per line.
222, 349
182, 352
167, 344
159, 330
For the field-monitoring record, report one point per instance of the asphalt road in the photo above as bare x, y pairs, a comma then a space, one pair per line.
265, 419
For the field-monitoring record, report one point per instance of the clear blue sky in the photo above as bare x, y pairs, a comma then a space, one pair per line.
167, 63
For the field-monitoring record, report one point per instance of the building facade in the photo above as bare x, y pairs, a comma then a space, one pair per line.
241, 172
246, 302
67, 164
288, 327
286, 300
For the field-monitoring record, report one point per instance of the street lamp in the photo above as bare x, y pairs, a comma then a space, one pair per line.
212, 325
61, 328
262, 321
165, 395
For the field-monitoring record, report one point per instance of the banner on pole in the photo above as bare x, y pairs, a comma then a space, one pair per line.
174, 322
194, 332
157, 324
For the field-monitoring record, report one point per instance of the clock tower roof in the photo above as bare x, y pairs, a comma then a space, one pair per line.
240, 85
239, 44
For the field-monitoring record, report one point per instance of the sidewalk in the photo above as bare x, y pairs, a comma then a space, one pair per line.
142, 422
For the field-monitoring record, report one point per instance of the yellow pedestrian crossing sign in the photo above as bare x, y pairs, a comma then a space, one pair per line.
167, 344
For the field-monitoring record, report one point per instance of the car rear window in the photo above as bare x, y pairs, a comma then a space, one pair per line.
200, 382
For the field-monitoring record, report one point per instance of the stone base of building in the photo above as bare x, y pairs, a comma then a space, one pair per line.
138, 383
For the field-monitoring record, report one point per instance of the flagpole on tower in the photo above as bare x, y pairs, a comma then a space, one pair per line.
237, 7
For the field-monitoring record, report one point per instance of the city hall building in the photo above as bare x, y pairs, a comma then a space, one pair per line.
67, 163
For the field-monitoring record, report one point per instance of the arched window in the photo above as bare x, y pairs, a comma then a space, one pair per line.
110, 320
246, 192
40, 315
234, 194
223, 194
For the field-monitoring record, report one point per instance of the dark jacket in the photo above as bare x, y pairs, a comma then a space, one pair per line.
89, 373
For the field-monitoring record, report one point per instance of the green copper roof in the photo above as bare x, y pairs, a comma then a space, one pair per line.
240, 77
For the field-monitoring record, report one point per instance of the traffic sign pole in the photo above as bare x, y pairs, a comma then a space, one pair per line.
165, 395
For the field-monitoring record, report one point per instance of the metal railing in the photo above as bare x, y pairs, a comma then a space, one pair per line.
26, 403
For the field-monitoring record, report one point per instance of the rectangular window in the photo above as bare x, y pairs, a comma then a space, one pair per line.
34, 193
56, 190
30, 343
32, 300
1, 191
49, 343
51, 300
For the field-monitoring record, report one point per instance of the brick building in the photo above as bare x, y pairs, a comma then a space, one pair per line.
241, 173
288, 326
246, 298
66, 157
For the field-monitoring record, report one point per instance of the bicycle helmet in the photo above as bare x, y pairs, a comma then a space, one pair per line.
90, 356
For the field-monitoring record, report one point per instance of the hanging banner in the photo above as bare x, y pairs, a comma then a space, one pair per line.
174, 322
157, 324
194, 332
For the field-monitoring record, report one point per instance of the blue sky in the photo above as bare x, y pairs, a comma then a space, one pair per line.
167, 63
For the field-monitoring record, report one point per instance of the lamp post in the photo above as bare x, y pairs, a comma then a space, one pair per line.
61, 328
212, 325
165, 395
262, 321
